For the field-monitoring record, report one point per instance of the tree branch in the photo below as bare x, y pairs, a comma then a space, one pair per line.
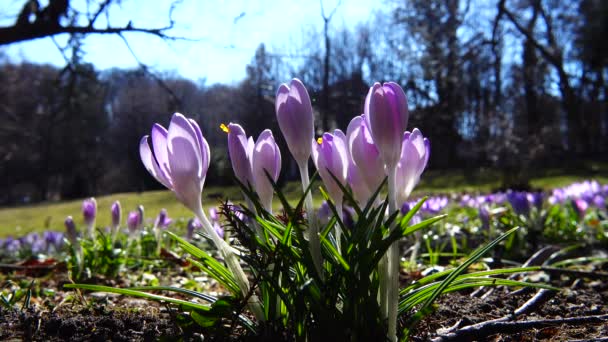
14, 34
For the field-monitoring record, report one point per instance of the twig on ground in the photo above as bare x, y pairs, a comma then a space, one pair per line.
531, 304
484, 329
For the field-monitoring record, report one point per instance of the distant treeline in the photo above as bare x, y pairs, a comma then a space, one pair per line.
514, 85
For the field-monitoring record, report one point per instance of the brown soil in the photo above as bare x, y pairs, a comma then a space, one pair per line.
462, 310
106, 317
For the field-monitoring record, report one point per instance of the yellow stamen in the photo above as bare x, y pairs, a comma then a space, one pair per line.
225, 128
319, 140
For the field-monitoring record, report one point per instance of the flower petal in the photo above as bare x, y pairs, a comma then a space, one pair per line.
150, 163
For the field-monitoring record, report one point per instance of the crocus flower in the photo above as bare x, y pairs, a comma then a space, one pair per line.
484, 217
536, 199
387, 115
162, 220
361, 192
294, 115
140, 217
70, 228
53, 241
193, 224
599, 201
89, 212
180, 159
330, 155
133, 222
364, 152
580, 206
213, 215
116, 214
519, 202
415, 153
240, 149
266, 157
218, 229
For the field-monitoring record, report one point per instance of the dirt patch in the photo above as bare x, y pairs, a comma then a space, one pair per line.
582, 299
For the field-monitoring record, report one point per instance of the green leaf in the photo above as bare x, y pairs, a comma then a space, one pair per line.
205, 321
135, 293
451, 277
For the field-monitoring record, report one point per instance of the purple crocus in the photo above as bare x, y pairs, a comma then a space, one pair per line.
266, 157
178, 158
162, 220
218, 229
294, 115
116, 211
580, 206
213, 215
89, 212
536, 199
53, 240
519, 202
387, 115
364, 153
140, 217
133, 222
70, 228
330, 155
361, 192
193, 224
240, 149
415, 153
484, 217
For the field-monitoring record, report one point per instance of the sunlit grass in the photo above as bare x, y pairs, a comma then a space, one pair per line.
17, 221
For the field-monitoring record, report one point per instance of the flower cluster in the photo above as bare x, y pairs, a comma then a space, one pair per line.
375, 145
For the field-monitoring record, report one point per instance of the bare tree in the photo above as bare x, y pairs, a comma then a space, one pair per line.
58, 17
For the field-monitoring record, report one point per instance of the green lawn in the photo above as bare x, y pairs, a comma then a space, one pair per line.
17, 221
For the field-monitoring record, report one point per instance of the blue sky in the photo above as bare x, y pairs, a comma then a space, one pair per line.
227, 34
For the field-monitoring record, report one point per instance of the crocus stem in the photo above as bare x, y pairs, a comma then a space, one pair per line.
313, 229
91, 230
393, 261
157, 236
338, 228
251, 207
233, 264
115, 230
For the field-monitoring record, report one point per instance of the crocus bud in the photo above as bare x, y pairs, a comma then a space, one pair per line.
180, 160
536, 199
331, 157
580, 206
387, 114
218, 230
193, 224
519, 202
163, 221
415, 153
133, 222
266, 158
89, 210
213, 215
240, 149
484, 217
70, 229
140, 216
116, 213
364, 152
294, 115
